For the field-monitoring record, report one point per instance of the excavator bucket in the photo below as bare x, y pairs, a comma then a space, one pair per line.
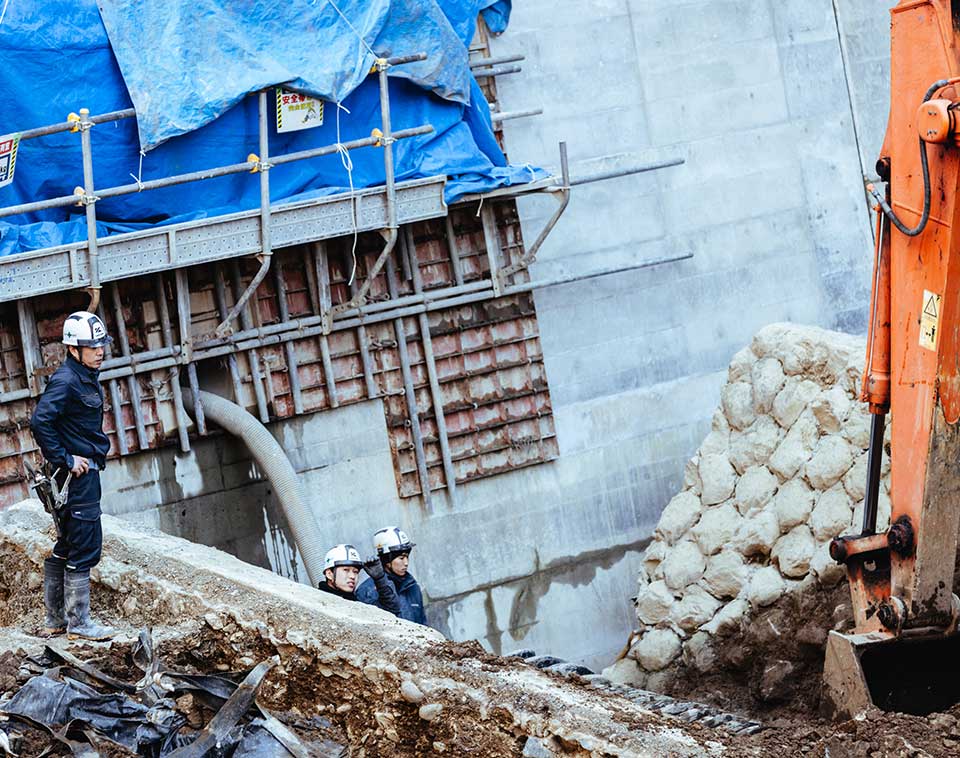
916, 675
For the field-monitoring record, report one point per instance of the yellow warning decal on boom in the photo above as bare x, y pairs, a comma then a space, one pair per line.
929, 320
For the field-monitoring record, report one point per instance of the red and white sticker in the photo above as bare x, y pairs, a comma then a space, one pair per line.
9, 143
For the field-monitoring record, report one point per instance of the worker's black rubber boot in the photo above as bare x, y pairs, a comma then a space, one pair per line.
55, 622
77, 601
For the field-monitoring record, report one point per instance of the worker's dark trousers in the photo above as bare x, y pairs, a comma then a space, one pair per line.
82, 539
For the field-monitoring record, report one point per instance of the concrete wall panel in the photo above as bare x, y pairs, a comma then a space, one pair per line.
775, 107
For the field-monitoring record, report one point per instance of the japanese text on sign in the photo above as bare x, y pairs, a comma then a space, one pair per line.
296, 111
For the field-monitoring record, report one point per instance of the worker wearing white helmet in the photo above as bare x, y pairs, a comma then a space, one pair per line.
68, 427
341, 570
393, 546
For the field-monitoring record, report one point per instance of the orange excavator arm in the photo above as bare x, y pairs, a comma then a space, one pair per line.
901, 580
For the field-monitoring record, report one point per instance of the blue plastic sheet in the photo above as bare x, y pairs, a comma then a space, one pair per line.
56, 57
497, 15
186, 62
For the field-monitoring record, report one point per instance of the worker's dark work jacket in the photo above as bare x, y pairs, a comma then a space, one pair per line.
384, 594
409, 597
327, 587
68, 421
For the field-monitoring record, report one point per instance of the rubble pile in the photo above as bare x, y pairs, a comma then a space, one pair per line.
64, 704
737, 587
382, 686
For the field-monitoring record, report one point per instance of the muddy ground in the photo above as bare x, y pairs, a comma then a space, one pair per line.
381, 686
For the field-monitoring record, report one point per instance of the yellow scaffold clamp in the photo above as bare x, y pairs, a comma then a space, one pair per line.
255, 160
83, 198
74, 118
379, 64
380, 139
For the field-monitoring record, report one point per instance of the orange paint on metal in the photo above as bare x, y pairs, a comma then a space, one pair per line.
935, 121
906, 318
875, 387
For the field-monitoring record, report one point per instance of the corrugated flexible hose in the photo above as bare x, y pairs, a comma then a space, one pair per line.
274, 463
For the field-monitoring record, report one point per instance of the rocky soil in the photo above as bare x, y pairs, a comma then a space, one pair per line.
388, 687
735, 600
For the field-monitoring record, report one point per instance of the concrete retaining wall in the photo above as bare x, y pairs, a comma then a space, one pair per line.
754, 96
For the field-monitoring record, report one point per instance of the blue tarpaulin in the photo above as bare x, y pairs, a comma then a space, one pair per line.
189, 65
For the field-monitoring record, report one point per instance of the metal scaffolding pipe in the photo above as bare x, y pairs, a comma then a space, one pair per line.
455, 262
436, 393
194, 383
322, 271
266, 251
496, 60
133, 386
293, 371
115, 399
616, 173
369, 313
211, 173
365, 358
295, 330
387, 140
253, 358
564, 190
329, 378
499, 116
89, 201
30, 342
481, 73
70, 125
410, 394
220, 291
166, 330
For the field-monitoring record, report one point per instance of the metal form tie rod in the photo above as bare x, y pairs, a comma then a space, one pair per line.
497, 60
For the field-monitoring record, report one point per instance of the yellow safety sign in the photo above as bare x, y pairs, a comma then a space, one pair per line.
296, 111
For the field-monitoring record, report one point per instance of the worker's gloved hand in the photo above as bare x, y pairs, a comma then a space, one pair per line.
373, 567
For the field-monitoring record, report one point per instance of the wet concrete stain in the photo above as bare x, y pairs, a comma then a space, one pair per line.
574, 571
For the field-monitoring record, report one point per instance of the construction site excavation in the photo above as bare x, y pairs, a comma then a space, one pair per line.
476, 378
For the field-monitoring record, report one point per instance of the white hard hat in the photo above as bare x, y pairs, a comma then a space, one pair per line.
342, 555
84, 329
392, 540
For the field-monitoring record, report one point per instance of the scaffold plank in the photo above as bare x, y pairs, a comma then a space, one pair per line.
167, 247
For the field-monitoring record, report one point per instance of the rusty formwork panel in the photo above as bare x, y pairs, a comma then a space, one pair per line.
488, 360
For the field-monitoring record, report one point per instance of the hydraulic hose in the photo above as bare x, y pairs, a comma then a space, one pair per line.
272, 460
925, 168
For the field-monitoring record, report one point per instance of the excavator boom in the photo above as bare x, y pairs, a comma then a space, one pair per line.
905, 613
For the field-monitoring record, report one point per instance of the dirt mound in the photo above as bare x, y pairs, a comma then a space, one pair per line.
390, 687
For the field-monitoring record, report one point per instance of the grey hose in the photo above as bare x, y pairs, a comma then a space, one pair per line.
271, 458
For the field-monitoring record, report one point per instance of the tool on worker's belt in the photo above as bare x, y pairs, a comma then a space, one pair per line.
44, 484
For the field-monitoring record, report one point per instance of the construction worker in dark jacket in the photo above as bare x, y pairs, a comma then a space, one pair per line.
68, 426
393, 546
341, 569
